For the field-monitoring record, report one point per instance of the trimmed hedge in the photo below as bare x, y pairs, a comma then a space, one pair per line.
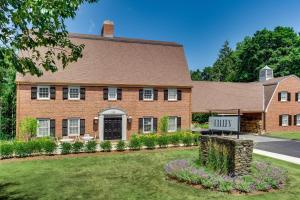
106, 146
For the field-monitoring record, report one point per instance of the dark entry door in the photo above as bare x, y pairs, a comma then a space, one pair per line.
112, 128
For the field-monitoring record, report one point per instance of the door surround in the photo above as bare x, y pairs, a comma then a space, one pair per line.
112, 112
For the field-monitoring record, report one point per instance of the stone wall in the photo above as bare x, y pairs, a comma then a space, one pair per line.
251, 123
239, 153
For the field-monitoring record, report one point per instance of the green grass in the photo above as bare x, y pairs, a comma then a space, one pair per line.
285, 135
137, 175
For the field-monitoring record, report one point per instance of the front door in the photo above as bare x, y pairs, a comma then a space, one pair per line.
112, 128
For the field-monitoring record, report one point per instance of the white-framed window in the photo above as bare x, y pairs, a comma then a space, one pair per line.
112, 93
172, 124
147, 125
43, 92
283, 96
172, 94
43, 127
73, 127
148, 94
298, 120
284, 120
74, 93
298, 96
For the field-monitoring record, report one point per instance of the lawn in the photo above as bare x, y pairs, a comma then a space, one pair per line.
286, 135
137, 175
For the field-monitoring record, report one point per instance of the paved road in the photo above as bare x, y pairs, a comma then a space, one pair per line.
275, 145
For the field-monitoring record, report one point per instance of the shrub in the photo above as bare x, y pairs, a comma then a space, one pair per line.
149, 141
66, 148
135, 143
22, 149
163, 124
175, 139
225, 185
163, 141
6, 150
77, 146
121, 145
28, 127
106, 146
91, 146
48, 146
187, 139
196, 139
36, 146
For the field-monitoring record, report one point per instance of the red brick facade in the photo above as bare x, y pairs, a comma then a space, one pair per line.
93, 104
276, 108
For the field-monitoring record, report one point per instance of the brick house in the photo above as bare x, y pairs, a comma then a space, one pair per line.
121, 86
271, 104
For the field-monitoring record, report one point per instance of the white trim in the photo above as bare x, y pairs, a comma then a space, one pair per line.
69, 126
151, 131
38, 128
297, 124
272, 97
38, 92
73, 87
287, 94
116, 92
176, 92
170, 131
144, 94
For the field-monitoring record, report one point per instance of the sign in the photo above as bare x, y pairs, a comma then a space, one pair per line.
224, 123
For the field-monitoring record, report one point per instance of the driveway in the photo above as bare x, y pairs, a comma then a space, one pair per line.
275, 145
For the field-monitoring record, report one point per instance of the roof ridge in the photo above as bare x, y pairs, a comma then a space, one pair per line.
123, 39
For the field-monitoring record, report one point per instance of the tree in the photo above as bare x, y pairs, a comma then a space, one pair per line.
28, 25
163, 124
223, 68
28, 128
278, 48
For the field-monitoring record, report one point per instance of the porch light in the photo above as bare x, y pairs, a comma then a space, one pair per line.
129, 119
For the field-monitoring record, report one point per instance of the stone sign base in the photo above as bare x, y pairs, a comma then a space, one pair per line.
239, 153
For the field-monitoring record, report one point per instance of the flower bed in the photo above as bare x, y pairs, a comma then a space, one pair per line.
264, 177
47, 146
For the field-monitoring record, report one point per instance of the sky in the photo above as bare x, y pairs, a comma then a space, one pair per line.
201, 26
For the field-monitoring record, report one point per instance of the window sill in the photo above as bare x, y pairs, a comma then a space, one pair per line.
170, 100
43, 99
146, 100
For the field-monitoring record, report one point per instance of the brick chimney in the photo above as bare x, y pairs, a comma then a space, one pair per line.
107, 29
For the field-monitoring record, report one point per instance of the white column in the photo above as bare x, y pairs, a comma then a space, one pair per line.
124, 127
101, 127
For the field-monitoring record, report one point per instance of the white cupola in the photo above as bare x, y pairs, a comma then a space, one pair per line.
265, 74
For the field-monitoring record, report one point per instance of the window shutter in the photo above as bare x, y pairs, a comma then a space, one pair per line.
65, 93
296, 96
140, 125
82, 126
178, 123
279, 96
141, 94
290, 120
154, 125
82, 93
280, 120
105, 93
166, 95
155, 94
64, 127
179, 95
52, 127
289, 96
119, 94
33, 92
295, 120
52, 92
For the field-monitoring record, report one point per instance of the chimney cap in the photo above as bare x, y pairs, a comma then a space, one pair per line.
108, 22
